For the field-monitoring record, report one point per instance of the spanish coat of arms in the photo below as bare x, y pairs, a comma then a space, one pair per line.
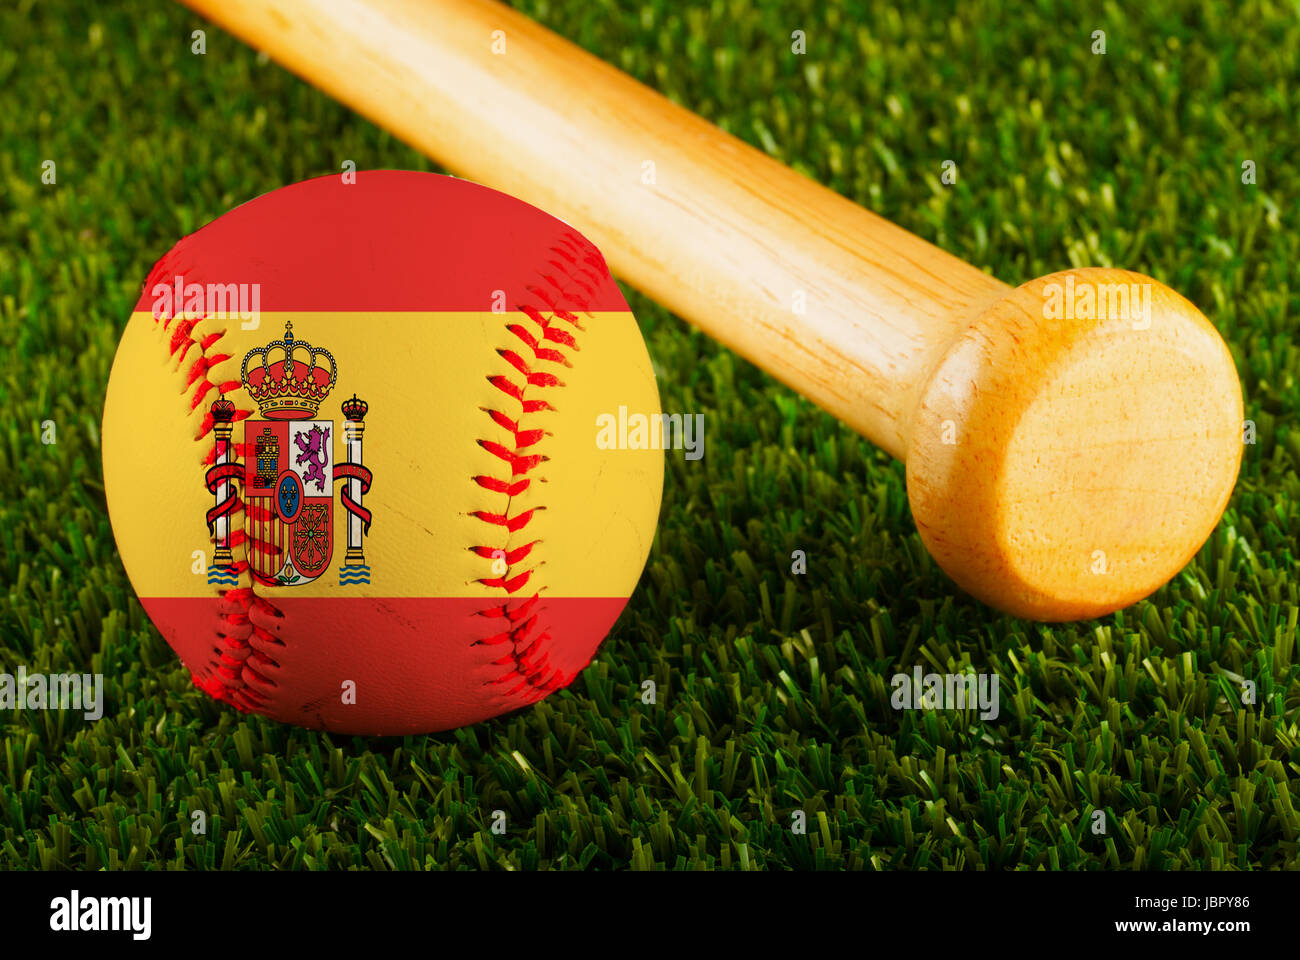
288, 471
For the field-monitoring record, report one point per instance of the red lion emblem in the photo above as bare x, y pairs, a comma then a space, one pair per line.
313, 447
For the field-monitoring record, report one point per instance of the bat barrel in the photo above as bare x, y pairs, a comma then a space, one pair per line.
1058, 465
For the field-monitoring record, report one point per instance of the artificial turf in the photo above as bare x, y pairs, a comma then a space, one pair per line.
772, 688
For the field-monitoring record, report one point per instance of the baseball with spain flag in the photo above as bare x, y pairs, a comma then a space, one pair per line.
351, 453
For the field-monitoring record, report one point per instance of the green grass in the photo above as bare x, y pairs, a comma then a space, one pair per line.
772, 689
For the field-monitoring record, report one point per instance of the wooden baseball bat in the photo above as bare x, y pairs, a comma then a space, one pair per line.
1069, 444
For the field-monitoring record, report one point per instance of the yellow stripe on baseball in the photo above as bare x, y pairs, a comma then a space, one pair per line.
427, 378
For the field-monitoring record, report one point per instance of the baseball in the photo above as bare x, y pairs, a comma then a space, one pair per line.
351, 460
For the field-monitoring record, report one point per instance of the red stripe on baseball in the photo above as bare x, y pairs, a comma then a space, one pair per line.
327, 245
438, 663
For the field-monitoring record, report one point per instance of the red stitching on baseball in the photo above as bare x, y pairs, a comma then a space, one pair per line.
525, 660
235, 659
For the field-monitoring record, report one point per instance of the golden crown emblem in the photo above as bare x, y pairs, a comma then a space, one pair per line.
287, 379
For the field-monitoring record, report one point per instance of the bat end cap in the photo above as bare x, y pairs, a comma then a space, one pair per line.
1076, 446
